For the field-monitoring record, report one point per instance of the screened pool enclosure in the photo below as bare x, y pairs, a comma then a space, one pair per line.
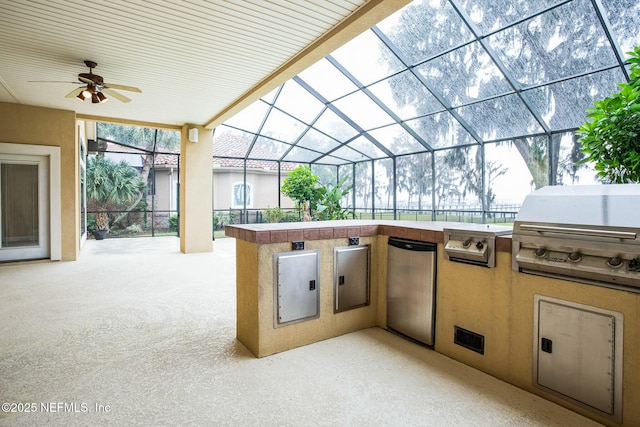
445, 110
448, 105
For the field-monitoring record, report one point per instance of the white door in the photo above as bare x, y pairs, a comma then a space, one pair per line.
24, 207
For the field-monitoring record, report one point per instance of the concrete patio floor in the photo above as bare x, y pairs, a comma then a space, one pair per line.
136, 333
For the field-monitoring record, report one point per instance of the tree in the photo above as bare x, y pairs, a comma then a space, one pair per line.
455, 174
148, 140
327, 174
111, 186
611, 137
413, 175
324, 200
363, 178
534, 152
548, 47
302, 186
383, 183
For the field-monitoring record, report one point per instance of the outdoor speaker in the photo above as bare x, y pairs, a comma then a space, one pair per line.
193, 135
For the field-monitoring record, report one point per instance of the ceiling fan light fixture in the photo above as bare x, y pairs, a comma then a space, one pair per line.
101, 97
95, 99
86, 93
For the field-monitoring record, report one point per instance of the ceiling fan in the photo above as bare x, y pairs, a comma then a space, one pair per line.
94, 87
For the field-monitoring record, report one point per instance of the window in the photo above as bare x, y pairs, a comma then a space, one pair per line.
240, 192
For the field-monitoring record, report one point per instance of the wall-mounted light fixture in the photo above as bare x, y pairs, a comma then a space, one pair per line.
193, 135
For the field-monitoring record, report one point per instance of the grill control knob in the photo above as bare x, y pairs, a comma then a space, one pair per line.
575, 256
466, 243
634, 264
541, 252
479, 246
615, 262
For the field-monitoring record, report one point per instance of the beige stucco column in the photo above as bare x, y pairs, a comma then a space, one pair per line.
196, 183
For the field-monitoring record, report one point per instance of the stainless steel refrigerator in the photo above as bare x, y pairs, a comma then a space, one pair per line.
411, 280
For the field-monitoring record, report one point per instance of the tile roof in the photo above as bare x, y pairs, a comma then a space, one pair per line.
231, 147
229, 151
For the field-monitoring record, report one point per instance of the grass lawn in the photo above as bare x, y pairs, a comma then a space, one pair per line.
451, 217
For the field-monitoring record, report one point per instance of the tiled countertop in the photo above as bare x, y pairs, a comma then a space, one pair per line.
427, 231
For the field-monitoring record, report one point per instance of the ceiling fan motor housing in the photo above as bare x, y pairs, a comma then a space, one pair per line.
91, 79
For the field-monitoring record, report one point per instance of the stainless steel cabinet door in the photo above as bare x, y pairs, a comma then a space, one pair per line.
351, 277
575, 353
296, 295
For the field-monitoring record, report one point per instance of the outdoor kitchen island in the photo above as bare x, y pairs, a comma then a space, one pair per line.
496, 304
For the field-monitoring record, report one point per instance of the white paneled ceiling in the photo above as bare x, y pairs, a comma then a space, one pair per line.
191, 59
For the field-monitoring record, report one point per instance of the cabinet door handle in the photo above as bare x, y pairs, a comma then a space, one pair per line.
312, 285
340, 280
546, 345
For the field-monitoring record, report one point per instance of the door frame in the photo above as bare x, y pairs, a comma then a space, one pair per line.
55, 189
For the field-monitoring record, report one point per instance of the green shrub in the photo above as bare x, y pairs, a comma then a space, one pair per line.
91, 222
134, 228
274, 214
291, 216
173, 223
220, 220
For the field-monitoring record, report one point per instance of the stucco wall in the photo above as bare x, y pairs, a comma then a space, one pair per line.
165, 189
254, 268
21, 124
265, 189
498, 303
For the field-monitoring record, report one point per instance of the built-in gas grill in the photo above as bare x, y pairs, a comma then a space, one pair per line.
473, 243
584, 233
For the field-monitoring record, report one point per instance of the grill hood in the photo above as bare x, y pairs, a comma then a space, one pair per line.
585, 205
586, 233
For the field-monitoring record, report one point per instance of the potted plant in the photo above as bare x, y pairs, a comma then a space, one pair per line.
102, 224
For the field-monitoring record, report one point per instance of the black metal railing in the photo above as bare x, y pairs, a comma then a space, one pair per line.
139, 223
146, 223
505, 215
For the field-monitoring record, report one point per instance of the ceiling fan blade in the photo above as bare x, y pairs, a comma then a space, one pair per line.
51, 81
116, 95
122, 87
85, 80
74, 92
